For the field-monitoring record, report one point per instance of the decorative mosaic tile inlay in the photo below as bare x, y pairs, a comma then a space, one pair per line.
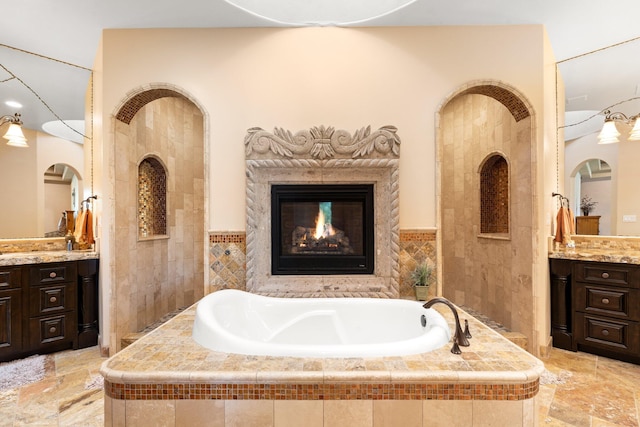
227, 261
183, 391
152, 198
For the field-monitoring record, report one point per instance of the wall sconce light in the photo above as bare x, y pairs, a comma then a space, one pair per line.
609, 133
14, 134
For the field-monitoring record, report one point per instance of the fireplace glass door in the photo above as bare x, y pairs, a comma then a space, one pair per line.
322, 229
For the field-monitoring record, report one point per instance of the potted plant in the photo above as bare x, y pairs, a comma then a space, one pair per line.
587, 205
422, 277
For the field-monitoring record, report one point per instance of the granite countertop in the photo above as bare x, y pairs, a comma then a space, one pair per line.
169, 354
598, 255
38, 257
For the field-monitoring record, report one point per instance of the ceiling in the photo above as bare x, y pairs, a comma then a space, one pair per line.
47, 48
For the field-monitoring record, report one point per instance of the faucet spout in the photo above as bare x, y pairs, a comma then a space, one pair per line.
460, 338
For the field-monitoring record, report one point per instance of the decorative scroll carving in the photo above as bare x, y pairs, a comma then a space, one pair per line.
322, 143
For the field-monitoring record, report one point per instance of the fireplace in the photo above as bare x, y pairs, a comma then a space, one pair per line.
358, 173
322, 229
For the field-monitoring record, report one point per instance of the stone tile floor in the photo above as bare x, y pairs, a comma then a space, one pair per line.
70, 394
579, 389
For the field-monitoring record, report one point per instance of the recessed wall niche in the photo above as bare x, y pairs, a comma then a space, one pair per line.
152, 198
494, 195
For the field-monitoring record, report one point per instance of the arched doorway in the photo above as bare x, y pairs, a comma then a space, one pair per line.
486, 212
163, 271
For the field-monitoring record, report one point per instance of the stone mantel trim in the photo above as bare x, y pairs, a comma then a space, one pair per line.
321, 143
323, 155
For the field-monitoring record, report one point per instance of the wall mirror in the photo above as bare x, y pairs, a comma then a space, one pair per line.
29, 207
594, 82
38, 183
62, 191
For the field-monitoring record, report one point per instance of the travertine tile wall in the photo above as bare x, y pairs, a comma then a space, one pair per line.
491, 274
156, 275
227, 258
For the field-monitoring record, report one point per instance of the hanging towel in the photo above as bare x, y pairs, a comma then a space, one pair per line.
84, 229
87, 236
564, 225
80, 224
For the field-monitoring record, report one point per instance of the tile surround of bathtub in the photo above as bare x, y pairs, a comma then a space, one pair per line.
167, 373
227, 258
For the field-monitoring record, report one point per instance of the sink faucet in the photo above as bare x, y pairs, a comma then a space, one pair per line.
460, 338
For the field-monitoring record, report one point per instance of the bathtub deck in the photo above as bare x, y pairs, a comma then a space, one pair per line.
168, 365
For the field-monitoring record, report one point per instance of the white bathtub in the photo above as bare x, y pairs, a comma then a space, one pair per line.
233, 321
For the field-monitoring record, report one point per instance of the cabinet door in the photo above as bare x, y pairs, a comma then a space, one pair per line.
617, 336
10, 323
52, 331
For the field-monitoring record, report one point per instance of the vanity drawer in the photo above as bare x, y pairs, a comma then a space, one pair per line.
607, 301
608, 274
10, 278
52, 299
53, 273
51, 330
606, 333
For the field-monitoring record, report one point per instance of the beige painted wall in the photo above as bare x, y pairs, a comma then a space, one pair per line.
628, 195
298, 78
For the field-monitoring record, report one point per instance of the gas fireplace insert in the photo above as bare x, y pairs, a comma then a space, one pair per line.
319, 229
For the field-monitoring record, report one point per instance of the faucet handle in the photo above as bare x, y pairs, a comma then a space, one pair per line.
456, 348
467, 334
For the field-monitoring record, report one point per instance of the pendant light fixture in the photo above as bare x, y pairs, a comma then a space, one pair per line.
14, 134
609, 133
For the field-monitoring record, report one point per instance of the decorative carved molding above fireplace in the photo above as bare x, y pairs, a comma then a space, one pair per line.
323, 155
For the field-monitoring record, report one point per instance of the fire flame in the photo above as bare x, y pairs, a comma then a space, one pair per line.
322, 229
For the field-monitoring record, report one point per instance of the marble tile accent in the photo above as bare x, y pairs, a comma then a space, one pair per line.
32, 245
38, 257
227, 261
615, 255
415, 246
227, 258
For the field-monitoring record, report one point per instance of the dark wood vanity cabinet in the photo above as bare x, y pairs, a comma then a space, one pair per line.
595, 307
53, 298
606, 308
48, 307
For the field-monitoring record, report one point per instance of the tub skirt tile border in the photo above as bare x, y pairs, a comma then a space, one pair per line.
189, 391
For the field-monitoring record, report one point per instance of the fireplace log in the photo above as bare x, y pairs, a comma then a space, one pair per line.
304, 241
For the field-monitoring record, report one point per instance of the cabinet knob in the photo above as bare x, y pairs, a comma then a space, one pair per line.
52, 275
605, 300
605, 332
605, 275
53, 329
53, 299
